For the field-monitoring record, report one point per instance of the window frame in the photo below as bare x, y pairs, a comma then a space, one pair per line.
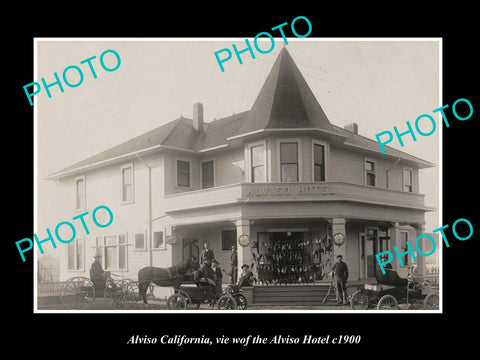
248, 162
221, 238
325, 152
201, 173
103, 250
407, 168
299, 142
144, 248
132, 179
83, 178
164, 243
76, 255
189, 175
374, 171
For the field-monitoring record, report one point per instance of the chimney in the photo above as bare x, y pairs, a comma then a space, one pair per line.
353, 127
198, 116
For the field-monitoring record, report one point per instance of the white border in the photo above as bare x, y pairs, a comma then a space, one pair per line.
440, 171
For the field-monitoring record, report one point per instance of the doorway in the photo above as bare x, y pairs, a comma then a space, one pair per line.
371, 242
190, 248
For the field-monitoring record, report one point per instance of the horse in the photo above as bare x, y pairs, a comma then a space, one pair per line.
172, 276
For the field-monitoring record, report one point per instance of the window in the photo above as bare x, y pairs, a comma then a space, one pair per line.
113, 251
139, 242
289, 162
80, 193
370, 173
207, 174
407, 180
75, 255
127, 183
158, 240
318, 162
257, 156
229, 239
183, 173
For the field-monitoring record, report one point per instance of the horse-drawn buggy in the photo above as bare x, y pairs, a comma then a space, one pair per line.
188, 291
392, 292
80, 293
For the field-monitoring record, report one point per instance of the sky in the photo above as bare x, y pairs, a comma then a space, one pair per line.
377, 84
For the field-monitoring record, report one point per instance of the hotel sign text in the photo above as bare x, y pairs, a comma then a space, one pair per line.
290, 190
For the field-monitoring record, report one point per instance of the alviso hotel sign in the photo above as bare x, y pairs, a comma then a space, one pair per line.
286, 190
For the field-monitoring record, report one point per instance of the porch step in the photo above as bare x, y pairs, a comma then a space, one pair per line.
293, 294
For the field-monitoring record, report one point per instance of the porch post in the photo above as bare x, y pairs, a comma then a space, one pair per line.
338, 227
244, 254
420, 229
395, 240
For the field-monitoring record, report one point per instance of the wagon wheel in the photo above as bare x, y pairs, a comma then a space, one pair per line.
126, 295
227, 302
113, 293
241, 300
190, 303
387, 302
359, 301
432, 301
77, 292
177, 302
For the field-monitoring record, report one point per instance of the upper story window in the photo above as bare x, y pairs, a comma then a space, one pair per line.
257, 161
127, 183
408, 180
208, 170
289, 162
80, 193
183, 173
318, 162
370, 176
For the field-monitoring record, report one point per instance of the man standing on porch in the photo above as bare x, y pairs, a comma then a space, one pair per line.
341, 275
207, 254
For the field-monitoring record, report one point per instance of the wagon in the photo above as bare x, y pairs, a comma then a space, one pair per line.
392, 293
80, 293
193, 295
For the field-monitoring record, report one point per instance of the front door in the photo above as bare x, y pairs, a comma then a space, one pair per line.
369, 247
190, 248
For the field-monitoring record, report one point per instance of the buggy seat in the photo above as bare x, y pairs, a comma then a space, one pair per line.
390, 278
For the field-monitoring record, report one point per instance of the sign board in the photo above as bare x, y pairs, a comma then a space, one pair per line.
171, 239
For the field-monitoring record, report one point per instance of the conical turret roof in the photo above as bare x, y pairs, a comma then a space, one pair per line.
285, 101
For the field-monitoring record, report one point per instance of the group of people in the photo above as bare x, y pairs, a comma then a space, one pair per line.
210, 272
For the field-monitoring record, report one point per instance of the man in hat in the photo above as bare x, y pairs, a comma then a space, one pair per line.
218, 275
246, 278
206, 274
97, 275
233, 265
207, 254
341, 276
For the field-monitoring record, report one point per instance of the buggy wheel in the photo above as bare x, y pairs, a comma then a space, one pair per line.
226, 302
241, 302
77, 293
359, 301
432, 301
177, 302
387, 302
127, 296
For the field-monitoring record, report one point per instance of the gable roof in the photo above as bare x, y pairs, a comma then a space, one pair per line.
284, 102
